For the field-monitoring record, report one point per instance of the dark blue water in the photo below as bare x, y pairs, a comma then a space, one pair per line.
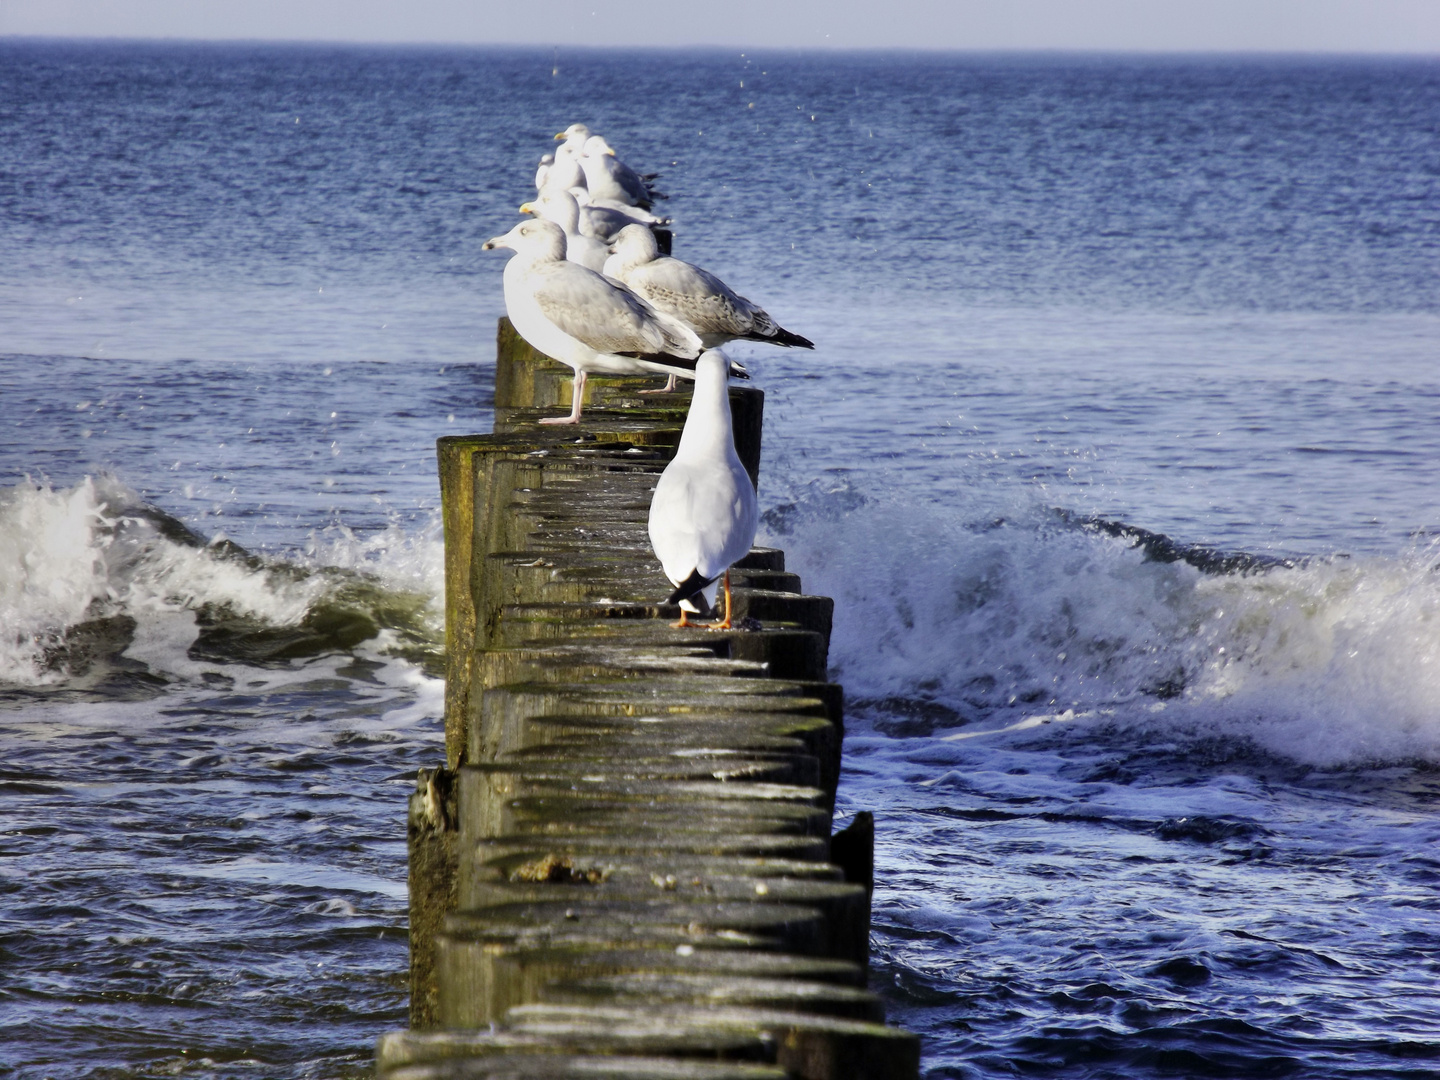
1118, 451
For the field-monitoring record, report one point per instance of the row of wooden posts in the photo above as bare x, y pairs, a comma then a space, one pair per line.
626, 867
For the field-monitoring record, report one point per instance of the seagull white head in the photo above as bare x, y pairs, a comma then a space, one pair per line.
596, 146
542, 174
555, 205
538, 239
575, 133
713, 360
635, 244
566, 170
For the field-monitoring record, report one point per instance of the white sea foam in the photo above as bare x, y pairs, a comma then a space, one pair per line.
51, 570
410, 560
1329, 662
94, 550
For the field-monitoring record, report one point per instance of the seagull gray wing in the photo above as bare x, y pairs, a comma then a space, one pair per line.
628, 181
695, 296
606, 316
603, 222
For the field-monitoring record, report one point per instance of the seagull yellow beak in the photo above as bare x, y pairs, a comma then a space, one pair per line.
609, 153
527, 208
493, 243
560, 136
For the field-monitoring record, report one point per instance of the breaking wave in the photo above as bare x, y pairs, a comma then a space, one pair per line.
961, 617
100, 590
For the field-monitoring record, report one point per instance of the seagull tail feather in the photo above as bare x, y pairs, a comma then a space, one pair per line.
692, 589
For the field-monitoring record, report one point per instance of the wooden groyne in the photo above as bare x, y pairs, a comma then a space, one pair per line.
626, 866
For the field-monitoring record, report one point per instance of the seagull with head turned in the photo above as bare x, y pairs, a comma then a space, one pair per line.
542, 171
604, 218
704, 512
714, 311
607, 177
585, 320
562, 171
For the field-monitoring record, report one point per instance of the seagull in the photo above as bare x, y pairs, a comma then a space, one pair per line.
604, 218
696, 297
542, 172
563, 170
584, 320
574, 138
559, 206
704, 514
607, 177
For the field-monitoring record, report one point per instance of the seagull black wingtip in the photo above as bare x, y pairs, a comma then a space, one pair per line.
785, 337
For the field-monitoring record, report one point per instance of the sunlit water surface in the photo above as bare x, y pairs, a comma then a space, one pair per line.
1118, 452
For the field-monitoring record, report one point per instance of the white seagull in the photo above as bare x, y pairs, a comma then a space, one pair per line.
542, 172
562, 171
704, 513
574, 138
694, 296
604, 218
584, 320
607, 177
716, 312
559, 206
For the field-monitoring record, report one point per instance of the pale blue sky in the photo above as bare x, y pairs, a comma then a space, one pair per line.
1399, 26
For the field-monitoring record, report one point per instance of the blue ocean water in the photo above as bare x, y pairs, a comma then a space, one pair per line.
1118, 451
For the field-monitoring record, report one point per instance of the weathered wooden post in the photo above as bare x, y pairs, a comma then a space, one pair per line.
627, 857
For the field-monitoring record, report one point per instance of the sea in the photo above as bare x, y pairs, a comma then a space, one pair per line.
1119, 451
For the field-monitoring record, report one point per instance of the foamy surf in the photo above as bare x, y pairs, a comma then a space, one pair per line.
96, 585
967, 616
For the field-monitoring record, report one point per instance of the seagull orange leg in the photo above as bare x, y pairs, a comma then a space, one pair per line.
725, 624
684, 622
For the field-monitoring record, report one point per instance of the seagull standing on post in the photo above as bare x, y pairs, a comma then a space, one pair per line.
604, 218
714, 311
582, 319
704, 513
696, 297
607, 177
562, 171
559, 206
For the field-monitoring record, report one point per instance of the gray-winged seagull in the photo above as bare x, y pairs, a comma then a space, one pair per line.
559, 206
696, 297
583, 319
607, 177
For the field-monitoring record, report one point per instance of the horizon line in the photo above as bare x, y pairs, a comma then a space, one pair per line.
929, 50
